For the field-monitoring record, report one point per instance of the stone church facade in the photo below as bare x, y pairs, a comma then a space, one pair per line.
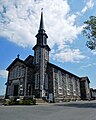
36, 76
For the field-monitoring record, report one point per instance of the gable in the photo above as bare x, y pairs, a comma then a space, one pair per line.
17, 62
14, 63
29, 59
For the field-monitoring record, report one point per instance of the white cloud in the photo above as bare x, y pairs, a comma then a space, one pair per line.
89, 4
93, 52
68, 55
3, 73
88, 65
19, 23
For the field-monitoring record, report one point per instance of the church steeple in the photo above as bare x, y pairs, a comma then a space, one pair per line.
41, 35
41, 58
41, 27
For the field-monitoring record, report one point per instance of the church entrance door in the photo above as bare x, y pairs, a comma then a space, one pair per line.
16, 90
30, 90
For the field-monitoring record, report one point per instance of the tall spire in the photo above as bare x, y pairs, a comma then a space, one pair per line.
41, 27
41, 35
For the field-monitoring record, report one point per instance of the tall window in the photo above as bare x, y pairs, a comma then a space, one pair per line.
78, 84
37, 81
67, 84
22, 72
37, 57
13, 73
17, 71
44, 40
38, 54
74, 86
46, 82
59, 82
46, 55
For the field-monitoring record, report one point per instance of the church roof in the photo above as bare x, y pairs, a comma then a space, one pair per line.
29, 57
59, 68
21, 61
84, 79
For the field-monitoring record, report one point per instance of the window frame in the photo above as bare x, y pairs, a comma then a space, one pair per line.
60, 82
67, 85
37, 81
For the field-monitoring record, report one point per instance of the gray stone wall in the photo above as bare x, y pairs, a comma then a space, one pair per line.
66, 94
30, 80
50, 79
18, 76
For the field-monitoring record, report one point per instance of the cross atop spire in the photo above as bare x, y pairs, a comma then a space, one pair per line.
41, 27
18, 56
41, 9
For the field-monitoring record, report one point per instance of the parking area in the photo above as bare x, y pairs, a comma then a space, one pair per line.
82, 110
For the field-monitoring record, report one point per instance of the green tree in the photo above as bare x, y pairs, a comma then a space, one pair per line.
90, 32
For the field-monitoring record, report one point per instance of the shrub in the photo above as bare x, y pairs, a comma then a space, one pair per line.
28, 102
19, 102
8, 102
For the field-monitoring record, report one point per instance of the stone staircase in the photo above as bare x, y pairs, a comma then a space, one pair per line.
40, 100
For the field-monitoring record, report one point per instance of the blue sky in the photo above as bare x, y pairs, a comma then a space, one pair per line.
63, 20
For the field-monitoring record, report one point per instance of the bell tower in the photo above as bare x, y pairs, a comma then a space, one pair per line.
41, 57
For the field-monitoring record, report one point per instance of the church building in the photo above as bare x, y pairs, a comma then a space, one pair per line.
36, 76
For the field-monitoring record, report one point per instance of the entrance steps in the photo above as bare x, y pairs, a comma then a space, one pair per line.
40, 100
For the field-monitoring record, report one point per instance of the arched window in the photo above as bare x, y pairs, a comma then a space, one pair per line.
37, 56
67, 84
59, 82
74, 86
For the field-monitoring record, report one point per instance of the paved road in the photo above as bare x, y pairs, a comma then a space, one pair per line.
62, 111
